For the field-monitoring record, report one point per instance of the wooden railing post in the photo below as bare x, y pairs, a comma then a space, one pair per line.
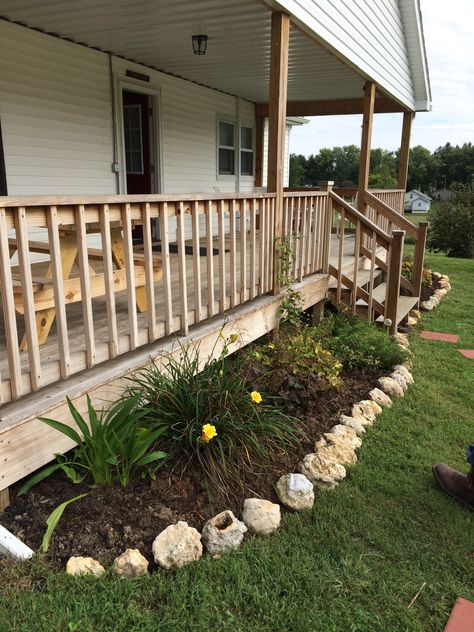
394, 274
327, 186
405, 151
277, 128
259, 141
366, 141
418, 259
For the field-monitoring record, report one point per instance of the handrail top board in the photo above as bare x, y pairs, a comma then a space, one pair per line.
367, 223
84, 200
390, 214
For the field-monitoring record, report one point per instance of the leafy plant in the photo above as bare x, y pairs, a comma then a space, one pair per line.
113, 446
407, 271
53, 519
452, 225
291, 306
210, 416
359, 345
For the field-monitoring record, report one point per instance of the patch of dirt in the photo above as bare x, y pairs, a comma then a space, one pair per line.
111, 519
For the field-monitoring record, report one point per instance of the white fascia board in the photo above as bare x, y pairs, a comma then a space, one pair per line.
11, 546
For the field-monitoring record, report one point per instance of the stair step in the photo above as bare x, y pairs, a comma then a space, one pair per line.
379, 293
363, 277
404, 305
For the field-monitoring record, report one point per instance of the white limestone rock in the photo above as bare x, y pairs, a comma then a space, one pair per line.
177, 545
335, 448
348, 434
401, 339
322, 472
390, 387
412, 321
398, 377
355, 424
380, 398
366, 411
404, 372
261, 516
295, 491
131, 564
223, 533
84, 566
415, 313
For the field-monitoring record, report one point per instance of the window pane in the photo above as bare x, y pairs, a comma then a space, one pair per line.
226, 134
246, 163
226, 161
246, 137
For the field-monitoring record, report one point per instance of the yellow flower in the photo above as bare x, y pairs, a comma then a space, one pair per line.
208, 432
256, 397
233, 338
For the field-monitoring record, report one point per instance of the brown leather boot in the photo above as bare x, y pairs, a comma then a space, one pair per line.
456, 484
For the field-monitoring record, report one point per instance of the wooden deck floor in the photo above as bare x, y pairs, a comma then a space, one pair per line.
49, 352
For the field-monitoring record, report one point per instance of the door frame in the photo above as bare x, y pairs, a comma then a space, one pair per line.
155, 132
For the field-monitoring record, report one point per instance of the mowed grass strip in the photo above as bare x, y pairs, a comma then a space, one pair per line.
354, 564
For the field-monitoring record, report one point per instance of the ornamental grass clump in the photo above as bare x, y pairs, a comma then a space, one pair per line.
212, 417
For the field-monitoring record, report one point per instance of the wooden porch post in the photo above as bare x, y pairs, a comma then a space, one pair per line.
365, 146
277, 127
405, 150
259, 138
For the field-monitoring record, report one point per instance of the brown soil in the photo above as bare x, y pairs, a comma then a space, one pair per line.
113, 518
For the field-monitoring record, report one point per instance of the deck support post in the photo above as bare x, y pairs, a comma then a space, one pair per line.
365, 145
418, 259
4, 498
394, 276
408, 118
277, 128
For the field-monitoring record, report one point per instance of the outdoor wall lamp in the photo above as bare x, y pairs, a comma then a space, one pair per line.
199, 44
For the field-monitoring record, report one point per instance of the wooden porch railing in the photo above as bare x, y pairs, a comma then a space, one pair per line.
86, 279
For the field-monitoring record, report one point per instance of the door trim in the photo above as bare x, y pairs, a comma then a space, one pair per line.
155, 131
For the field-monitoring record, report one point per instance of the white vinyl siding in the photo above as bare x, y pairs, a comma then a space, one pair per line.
56, 115
367, 34
286, 172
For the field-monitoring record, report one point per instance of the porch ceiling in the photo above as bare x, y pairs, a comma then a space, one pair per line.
158, 34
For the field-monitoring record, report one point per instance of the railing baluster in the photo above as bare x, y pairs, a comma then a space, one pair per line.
233, 255
209, 259
373, 255
165, 263
253, 211
340, 254
262, 253
84, 275
109, 280
130, 275
358, 236
149, 272
302, 241
183, 290
8, 304
271, 239
309, 235
296, 235
196, 262
243, 251
222, 275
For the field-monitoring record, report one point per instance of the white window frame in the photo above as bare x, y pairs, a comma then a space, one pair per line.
247, 176
237, 125
227, 121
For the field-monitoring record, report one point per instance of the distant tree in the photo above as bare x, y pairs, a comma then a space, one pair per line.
423, 169
452, 225
297, 170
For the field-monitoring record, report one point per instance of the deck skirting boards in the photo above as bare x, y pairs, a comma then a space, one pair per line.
26, 443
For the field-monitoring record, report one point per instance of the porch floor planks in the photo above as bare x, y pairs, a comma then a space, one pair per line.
49, 352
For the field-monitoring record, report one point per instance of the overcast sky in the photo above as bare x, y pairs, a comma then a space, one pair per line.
450, 49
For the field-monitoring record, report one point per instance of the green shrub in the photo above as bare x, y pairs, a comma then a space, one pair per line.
210, 415
299, 354
359, 345
116, 443
407, 271
452, 225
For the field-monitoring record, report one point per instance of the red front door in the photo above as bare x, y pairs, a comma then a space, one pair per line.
136, 128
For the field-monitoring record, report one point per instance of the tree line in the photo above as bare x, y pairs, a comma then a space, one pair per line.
427, 170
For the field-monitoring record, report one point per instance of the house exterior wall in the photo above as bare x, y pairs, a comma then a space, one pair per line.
56, 107
366, 34
286, 172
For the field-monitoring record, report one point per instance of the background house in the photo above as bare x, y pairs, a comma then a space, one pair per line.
417, 202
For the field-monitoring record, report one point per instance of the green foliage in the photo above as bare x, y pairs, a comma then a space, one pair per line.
359, 345
53, 519
186, 394
291, 306
452, 225
407, 272
116, 443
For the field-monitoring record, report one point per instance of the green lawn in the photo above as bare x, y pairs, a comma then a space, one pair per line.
353, 565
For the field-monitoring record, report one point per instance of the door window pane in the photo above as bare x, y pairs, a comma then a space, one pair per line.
132, 127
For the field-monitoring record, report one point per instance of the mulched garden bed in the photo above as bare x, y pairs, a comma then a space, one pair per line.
113, 518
